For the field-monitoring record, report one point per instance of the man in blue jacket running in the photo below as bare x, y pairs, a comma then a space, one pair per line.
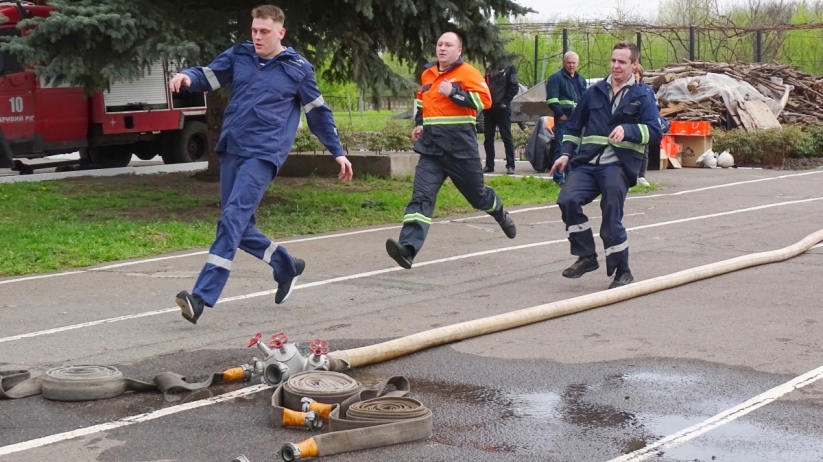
611, 125
269, 86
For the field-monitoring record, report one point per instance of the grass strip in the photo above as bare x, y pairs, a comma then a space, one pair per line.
58, 225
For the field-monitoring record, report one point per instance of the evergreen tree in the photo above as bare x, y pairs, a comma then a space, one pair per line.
91, 43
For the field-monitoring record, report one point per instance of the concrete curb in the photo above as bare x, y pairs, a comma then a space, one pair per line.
147, 170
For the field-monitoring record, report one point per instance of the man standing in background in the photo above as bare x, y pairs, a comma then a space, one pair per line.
563, 91
503, 86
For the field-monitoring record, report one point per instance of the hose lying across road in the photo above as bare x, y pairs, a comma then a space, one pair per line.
344, 359
85, 383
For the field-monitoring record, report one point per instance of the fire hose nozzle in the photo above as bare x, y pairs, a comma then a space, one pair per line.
289, 452
235, 374
323, 410
294, 451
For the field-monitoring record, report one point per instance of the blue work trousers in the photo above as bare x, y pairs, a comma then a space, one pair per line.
429, 176
243, 181
583, 185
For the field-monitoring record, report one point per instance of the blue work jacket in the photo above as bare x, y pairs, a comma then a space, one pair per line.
263, 113
592, 122
563, 92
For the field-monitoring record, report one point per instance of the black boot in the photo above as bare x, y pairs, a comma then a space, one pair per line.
191, 306
400, 253
507, 225
621, 278
582, 266
284, 289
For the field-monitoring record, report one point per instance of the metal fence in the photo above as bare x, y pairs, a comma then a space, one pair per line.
542, 45
357, 103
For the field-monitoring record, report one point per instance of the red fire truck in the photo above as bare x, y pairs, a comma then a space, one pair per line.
140, 117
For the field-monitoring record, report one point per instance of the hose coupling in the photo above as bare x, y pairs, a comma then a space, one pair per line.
303, 449
275, 372
313, 421
289, 452
323, 410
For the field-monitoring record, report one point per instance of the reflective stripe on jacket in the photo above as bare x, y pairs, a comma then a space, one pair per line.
592, 122
448, 121
563, 92
263, 113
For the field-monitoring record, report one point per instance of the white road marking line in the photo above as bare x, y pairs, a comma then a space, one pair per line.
131, 420
389, 270
481, 228
590, 218
42, 276
372, 230
818, 246
722, 418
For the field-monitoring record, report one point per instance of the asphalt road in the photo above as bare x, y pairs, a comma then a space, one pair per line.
593, 386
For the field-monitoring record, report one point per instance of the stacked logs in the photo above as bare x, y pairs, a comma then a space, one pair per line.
803, 106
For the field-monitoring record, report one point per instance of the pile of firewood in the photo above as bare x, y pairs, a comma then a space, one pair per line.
803, 106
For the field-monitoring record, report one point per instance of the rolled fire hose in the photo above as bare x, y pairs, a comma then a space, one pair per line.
370, 418
86, 383
344, 359
359, 418
317, 390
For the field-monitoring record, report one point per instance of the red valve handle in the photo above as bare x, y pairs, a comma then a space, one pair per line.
319, 347
278, 340
255, 339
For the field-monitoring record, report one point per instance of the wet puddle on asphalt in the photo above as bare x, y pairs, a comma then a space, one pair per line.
554, 424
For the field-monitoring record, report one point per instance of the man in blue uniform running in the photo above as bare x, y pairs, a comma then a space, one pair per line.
269, 86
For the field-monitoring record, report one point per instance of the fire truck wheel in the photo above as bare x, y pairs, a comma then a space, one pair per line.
189, 145
110, 156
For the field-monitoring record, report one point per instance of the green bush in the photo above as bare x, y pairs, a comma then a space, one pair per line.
812, 145
769, 147
306, 142
520, 138
397, 136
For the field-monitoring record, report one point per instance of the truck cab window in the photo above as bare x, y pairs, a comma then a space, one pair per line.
8, 63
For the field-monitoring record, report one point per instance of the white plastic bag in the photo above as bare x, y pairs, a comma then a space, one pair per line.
708, 159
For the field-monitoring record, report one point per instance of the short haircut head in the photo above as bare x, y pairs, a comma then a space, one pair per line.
571, 54
457, 36
269, 12
633, 50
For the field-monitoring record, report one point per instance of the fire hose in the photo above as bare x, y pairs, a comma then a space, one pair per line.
86, 383
359, 418
344, 359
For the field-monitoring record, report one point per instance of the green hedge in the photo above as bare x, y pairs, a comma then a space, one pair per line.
395, 136
770, 147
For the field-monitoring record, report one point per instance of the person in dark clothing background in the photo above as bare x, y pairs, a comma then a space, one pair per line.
503, 85
563, 91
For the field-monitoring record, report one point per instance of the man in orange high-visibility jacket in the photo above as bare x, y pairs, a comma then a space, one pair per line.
451, 94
